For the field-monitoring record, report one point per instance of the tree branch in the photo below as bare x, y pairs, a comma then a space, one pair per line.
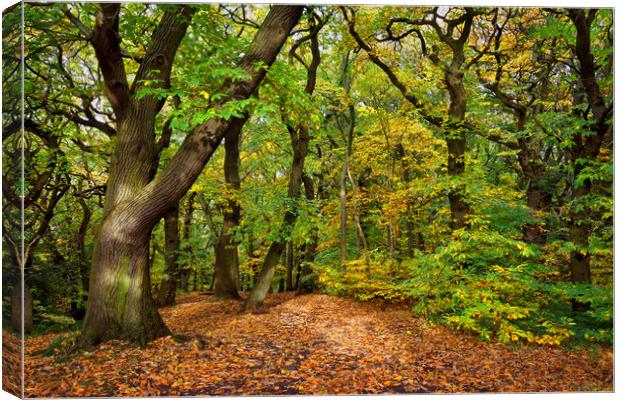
106, 42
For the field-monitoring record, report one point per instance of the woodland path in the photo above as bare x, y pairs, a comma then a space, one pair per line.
311, 344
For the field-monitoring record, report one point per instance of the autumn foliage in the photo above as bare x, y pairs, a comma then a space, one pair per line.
213, 199
311, 344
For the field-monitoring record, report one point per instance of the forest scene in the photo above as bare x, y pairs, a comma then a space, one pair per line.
217, 199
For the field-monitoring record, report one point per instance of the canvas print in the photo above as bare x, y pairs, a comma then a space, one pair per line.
253, 199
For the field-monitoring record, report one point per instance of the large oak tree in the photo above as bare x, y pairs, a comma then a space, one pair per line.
119, 301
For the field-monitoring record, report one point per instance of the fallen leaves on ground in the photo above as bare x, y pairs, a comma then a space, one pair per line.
11, 363
312, 344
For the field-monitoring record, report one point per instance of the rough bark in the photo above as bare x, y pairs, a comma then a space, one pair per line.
120, 304
455, 134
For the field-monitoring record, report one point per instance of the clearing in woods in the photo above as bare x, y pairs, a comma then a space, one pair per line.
311, 344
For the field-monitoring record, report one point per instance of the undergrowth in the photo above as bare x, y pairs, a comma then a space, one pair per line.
486, 283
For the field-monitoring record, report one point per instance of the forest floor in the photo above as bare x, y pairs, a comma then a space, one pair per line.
311, 344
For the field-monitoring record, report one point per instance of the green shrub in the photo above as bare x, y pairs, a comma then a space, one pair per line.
483, 282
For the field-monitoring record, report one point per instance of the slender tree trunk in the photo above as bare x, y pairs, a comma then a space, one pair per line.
343, 211
78, 308
21, 305
410, 238
196, 280
212, 283
184, 279
290, 261
346, 83
17, 306
390, 171
309, 247
226, 254
168, 288
356, 219
183, 274
300, 264
252, 261
360, 238
225, 273
81, 240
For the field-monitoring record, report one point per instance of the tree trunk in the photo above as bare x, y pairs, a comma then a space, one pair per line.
265, 277
361, 237
78, 304
410, 236
390, 171
539, 201
187, 230
226, 254
225, 277
168, 288
120, 303
81, 240
309, 247
184, 279
290, 261
579, 233
457, 143
197, 283
348, 136
259, 291
17, 306
587, 147
356, 219
343, 211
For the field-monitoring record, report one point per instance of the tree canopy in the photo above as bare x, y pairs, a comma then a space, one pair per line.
455, 159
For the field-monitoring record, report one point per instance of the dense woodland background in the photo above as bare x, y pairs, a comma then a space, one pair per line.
459, 160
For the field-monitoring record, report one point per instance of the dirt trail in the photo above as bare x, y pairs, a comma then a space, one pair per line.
313, 344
